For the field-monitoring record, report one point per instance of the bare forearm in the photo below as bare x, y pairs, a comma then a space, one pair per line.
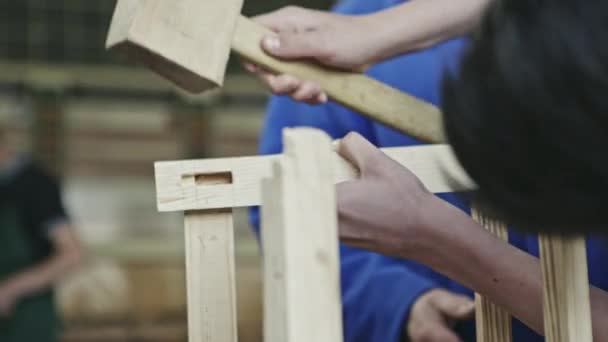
420, 24
510, 277
66, 257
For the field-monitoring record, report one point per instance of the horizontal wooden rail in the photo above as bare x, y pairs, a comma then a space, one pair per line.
435, 165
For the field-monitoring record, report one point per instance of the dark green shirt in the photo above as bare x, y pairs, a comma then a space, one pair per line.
30, 206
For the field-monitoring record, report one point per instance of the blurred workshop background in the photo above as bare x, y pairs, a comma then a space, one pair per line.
99, 123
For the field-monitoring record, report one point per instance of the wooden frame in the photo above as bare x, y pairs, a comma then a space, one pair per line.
208, 190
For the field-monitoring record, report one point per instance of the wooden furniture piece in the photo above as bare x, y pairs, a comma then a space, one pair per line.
299, 256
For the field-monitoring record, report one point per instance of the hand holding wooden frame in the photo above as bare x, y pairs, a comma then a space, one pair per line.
302, 300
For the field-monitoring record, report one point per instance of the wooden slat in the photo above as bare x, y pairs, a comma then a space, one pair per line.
303, 301
210, 276
435, 165
493, 323
273, 242
567, 312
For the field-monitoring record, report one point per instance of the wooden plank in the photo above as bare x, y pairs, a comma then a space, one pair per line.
210, 274
273, 242
567, 311
303, 264
435, 165
493, 323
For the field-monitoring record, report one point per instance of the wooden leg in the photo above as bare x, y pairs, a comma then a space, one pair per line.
493, 323
565, 289
210, 276
303, 301
273, 242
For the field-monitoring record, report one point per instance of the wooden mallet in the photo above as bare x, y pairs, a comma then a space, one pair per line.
189, 43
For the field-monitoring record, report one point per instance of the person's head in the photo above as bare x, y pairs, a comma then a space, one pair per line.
527, 114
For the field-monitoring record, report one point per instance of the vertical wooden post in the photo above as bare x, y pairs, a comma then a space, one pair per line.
493, 323
565, 289
210, 275
274, 244
299, 226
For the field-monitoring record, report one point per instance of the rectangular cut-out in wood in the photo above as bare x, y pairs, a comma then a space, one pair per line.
300, 234
210, 273
567, 311
435, 165
493, 323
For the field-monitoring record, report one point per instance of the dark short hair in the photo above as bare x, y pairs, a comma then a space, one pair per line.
527, 113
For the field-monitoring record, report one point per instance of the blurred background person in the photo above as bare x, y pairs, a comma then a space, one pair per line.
37, 248
98, 122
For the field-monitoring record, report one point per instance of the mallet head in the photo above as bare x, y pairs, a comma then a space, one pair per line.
185, 41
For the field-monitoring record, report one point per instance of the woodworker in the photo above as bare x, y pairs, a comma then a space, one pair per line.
526, 114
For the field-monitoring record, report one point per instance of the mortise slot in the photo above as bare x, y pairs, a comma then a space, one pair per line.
207, 179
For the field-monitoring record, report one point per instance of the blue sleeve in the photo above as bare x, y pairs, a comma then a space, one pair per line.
377, 295
377, 291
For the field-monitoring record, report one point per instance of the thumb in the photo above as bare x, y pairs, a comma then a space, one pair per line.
454, 306
293, 45
358, 151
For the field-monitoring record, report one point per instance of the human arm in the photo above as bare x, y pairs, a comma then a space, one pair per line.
355, 42
399, 217
382, 298
65, 257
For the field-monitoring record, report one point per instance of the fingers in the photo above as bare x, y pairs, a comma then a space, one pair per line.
358, 151
454, 306
294, 45
303, 91
288, 18
296, 33
428, 319
309, 92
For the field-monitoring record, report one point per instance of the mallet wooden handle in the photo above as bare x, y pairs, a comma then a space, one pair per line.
374, 99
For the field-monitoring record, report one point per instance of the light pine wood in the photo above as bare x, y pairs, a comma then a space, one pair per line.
274, 251
493, 323
374, 99
567, 312
189, 42
435, 165
186, 41
303, 300
210, 274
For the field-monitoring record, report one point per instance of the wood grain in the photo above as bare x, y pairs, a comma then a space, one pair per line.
301, 243
274, 252
567, 312
210, 275
435, 165
493, 323
371, 98
186, 41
